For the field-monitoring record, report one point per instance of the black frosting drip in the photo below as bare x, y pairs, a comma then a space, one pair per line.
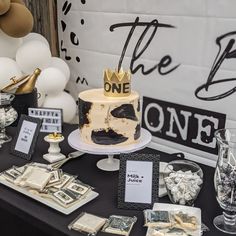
109, 137
137, 132
84, 108
125, 111
138, 108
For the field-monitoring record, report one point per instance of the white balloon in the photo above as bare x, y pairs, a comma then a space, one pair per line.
35, 36
8, 69
9, 45
64, 101
33, 54
41, 98
51, 81
61, 65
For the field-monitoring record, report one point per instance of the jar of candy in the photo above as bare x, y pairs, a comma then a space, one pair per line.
7, 116
183, 181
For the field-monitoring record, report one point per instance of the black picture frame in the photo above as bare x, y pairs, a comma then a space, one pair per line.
155, 159
36, 131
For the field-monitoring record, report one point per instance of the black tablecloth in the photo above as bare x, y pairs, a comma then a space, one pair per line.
54, 223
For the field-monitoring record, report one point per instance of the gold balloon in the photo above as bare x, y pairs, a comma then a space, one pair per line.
4, 6
17, 22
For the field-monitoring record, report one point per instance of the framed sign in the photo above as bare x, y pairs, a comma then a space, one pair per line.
138, 180
25, 139
52, 118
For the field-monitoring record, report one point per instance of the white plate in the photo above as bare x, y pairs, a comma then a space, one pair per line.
77, 143
193, 211
49, 202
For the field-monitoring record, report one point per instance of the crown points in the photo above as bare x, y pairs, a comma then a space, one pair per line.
117, 83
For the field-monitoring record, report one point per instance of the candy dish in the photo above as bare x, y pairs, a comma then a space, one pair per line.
183, 180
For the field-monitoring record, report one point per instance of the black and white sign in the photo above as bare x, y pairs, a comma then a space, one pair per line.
25, 140
138, 181
181, 124
52, 119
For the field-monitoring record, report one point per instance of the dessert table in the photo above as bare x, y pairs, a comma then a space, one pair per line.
51, 222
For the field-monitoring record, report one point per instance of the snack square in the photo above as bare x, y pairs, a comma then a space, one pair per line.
88, 223
38, 179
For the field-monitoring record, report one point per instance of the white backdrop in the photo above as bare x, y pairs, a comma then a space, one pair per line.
88, 45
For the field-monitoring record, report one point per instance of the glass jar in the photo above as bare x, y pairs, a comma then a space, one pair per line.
7, 116
225, 180
183, 180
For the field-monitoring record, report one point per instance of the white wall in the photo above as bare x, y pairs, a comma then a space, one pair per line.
192, 44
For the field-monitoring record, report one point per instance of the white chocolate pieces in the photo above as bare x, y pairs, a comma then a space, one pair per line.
183, 187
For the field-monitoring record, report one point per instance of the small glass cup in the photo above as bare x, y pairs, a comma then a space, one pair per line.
183, 181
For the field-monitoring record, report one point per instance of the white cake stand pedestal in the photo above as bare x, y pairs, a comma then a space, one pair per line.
110, 163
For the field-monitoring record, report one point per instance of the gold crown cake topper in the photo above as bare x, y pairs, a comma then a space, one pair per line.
117, 83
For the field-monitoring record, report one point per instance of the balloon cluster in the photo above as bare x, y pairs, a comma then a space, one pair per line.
21, 52
21, 56
15, 18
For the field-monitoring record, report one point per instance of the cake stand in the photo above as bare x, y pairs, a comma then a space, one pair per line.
110, 163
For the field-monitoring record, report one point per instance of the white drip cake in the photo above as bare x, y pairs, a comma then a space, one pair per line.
110, 115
